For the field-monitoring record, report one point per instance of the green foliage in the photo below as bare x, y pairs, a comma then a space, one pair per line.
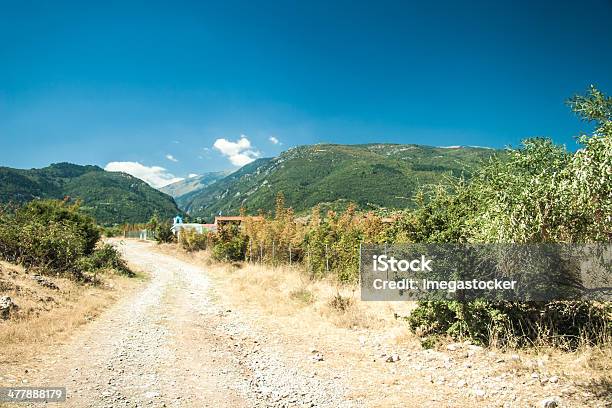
564, 324
110, 232
371, 176
333, 245
303, 295
594, 106
442, 216
50, 212
163, 232
110, 197
537, 193
105, 258
47, 234
55, 236
230, 248
56, 245
230, 244
191, 241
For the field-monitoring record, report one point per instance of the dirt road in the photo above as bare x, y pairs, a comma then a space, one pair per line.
174, 342
170, 345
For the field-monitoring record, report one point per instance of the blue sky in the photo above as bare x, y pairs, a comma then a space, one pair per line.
158, 83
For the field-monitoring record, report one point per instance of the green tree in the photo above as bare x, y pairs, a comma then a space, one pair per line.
591, 167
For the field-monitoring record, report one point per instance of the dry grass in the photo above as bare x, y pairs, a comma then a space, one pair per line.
289, 291
286, 291
47, 315
332, 318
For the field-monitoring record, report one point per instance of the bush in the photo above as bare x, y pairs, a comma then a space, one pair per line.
232, 250
302, 295
163, 233
192, 241
49, 212
110, 232
57, 245
566, 324
340, 303
54, 236
105, 258
47, 234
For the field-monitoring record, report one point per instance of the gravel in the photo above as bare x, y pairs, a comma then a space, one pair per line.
170, 345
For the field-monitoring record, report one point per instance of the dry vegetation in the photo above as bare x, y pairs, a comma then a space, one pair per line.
288, 290
357, 337
50, 312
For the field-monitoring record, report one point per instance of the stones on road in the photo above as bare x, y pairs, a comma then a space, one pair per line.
393, 358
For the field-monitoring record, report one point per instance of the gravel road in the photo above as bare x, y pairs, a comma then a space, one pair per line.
169, 345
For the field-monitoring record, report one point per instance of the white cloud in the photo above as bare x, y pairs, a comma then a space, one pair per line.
274, 140
239, 153
192, 175
171, 158
156, 176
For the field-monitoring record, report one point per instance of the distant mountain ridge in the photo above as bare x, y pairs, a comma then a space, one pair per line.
191, 184
370, 175
110, 197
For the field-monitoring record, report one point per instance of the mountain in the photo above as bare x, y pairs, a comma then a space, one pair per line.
371, 175
110, 197
191, 184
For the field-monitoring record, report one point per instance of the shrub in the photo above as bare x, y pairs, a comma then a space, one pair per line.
9, 243
340, 303
232, 250
302, 295
47, 234
56, 245
163, 233
566, 324
192, 241
537, 193
54, 236
53, 211
105, 257
110, 232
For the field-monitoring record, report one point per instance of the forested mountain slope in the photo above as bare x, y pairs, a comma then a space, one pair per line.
110, 197
372, 176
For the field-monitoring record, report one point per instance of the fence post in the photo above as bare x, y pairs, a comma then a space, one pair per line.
290, 254
260, 254
326, 260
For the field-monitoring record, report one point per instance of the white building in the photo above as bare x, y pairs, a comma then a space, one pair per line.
178, 225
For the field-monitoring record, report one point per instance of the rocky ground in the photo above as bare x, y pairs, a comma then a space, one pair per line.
168, 345
178, 342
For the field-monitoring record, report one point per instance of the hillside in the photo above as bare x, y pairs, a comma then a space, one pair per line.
372, 176
109, 197
193, 184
